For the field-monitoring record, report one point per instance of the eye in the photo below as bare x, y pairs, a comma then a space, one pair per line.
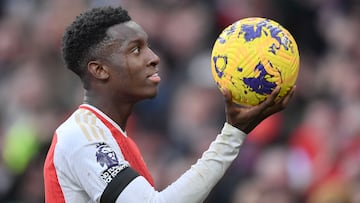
136, 50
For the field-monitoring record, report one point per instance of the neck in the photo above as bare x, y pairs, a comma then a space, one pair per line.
118, 111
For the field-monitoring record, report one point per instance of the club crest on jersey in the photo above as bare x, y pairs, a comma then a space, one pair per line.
107, 158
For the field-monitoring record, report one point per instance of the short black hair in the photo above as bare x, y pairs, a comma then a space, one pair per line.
82, 37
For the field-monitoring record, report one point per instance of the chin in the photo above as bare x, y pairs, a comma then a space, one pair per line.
152, 96
149, 95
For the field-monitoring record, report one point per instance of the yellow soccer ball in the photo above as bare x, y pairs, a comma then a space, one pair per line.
251, 57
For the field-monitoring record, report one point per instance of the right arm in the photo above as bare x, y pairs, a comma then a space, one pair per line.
196, 183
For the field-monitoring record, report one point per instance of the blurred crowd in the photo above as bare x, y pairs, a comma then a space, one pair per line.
309, 153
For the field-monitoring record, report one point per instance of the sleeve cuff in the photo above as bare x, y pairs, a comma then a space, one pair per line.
231, 130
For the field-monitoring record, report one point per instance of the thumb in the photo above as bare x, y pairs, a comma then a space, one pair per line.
227, 95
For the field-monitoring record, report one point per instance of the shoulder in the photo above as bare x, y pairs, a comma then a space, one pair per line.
80, 129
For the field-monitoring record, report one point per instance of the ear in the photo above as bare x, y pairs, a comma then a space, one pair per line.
98, 70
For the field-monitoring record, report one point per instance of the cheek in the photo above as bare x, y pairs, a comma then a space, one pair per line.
133, 67
121, 67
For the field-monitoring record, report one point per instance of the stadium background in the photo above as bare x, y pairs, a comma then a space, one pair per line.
309, 153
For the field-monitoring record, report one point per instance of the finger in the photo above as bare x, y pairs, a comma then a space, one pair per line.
227, 95
271, 99
288, 97
282, 104
264, 108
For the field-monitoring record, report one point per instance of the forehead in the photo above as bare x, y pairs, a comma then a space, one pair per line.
127, 32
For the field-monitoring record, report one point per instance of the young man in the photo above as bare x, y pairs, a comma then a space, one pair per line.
91, 158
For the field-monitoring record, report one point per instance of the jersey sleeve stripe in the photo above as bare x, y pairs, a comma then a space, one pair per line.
83, 127
96, 130
102, 133
92, 125
87, 122
117, 185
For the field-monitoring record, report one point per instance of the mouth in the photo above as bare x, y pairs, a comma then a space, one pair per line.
154, 77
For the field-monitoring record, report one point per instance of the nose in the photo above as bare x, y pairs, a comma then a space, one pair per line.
154, 59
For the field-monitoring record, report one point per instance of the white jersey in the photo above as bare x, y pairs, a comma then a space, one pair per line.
92, 160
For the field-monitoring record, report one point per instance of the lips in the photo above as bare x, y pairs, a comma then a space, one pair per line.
154, 77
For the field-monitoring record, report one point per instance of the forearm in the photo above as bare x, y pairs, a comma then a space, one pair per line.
195, 184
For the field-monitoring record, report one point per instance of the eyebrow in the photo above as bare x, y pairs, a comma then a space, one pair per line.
138, 40
135, 40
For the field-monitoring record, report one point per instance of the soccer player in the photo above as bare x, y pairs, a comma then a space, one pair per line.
92, 158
